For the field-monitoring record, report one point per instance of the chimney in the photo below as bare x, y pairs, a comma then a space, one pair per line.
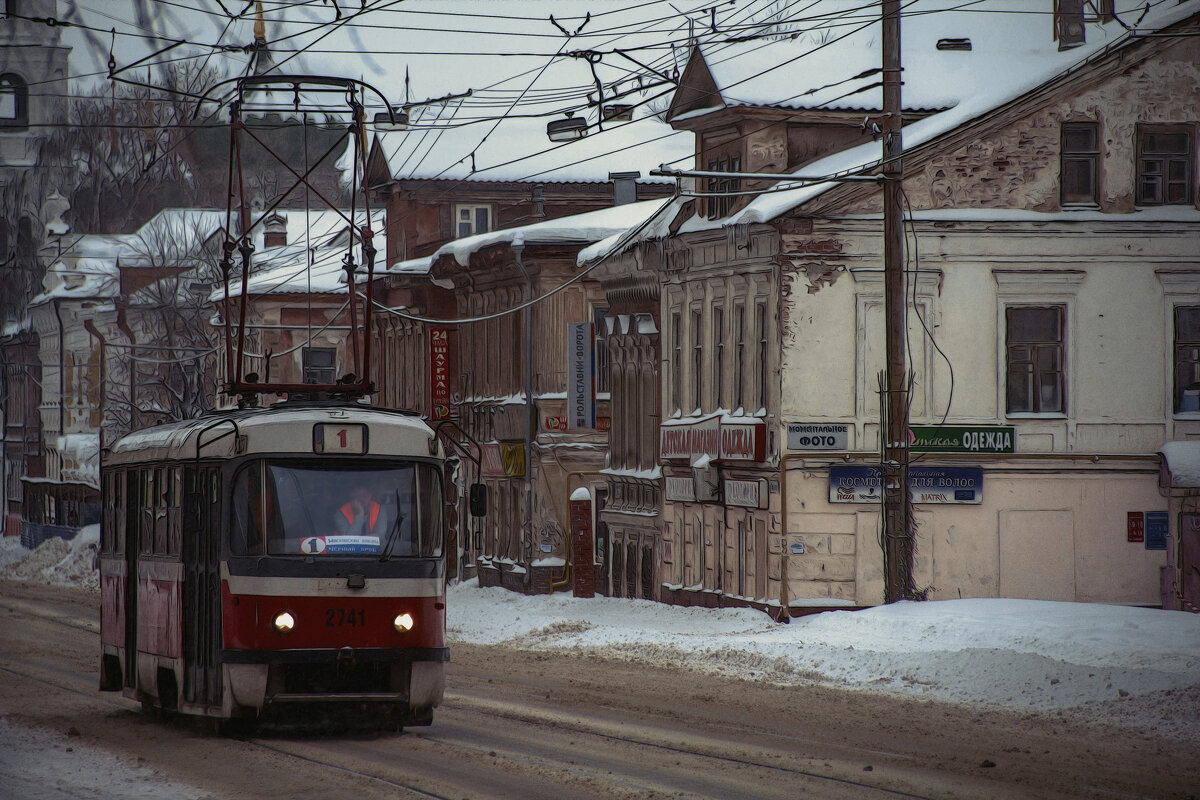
1068, 23
275, 231
624, 187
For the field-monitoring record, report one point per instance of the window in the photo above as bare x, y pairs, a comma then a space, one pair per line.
719, 357
760, 355
1164, 165
320, 365
600, 330
1035, 359
740, 356
14, 102
697, 358
722, 202
1080, 161
677, 362
470, 220
1187, 358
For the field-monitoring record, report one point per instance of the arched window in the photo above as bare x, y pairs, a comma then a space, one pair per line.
14, 102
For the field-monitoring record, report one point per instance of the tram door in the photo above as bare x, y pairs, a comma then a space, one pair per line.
134, 484
202, 585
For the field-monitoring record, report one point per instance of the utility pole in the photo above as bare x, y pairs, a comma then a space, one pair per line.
898, 541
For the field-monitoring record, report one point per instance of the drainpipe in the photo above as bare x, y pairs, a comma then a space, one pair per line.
518, 249
784, 613
62, 373
123, 326
91, 328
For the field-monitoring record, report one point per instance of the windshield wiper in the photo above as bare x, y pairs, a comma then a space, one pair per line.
395, 529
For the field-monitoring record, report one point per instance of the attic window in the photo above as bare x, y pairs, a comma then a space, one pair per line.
621, 112
14, 102
954, 44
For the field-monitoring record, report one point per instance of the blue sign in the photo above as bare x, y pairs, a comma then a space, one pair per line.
864, 484
1156, 530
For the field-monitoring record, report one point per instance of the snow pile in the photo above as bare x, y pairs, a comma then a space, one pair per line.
54, 561
1133, 666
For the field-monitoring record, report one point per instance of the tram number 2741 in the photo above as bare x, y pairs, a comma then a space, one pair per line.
336, 617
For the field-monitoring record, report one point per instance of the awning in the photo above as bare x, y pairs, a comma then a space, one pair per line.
1182, 460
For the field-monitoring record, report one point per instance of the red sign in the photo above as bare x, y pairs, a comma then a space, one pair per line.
720, 440
1135, 526
439, 373
554, 423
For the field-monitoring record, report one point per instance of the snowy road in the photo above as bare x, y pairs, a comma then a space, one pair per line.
545, 714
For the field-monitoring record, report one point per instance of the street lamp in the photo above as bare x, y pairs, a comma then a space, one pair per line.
395, 119
566, 130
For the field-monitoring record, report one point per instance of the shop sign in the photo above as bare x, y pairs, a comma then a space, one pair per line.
1135, 526
818, 436
743, 493
554, 423
581, 383
720, 441
503, 460
680, 489
492, 466
962, 439
512, 460
439, 373
1156, 530
864, 484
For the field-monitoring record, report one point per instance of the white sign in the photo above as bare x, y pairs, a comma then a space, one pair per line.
742, 493
818, 436
581, 379
681, 489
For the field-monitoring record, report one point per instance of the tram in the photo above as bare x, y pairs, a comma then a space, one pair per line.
277, 564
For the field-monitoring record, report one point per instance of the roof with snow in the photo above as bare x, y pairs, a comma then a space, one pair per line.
311, 260
1012, 54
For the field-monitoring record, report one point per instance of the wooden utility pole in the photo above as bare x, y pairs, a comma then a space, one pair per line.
898, 541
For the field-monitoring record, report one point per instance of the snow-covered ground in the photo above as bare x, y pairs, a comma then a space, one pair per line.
1129, 666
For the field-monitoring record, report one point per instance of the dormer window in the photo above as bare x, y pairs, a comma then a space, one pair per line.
1164, 165
470, 220
275, 231
1080, 163
723, 190
14, 102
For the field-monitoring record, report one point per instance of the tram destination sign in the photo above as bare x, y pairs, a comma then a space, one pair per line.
962, 439
864, 484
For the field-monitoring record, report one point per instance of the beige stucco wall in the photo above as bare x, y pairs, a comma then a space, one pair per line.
1046, 535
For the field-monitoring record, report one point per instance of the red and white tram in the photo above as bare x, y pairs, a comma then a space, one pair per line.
233, 584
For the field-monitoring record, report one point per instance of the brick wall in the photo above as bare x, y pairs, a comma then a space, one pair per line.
584, 580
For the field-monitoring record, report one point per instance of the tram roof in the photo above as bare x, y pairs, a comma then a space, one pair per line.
284, 428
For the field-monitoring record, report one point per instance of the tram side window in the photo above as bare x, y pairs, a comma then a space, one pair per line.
108, 513
175, 511
255, 510
430, 509
146, 516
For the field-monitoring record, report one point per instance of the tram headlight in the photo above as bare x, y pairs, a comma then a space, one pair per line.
283, 622
403, 623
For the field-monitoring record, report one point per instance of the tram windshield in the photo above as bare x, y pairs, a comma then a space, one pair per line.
289, 508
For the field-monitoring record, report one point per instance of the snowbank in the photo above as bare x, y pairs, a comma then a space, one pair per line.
1134, 666
54, 561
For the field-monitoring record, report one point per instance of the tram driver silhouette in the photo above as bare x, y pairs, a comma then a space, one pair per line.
361, 516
